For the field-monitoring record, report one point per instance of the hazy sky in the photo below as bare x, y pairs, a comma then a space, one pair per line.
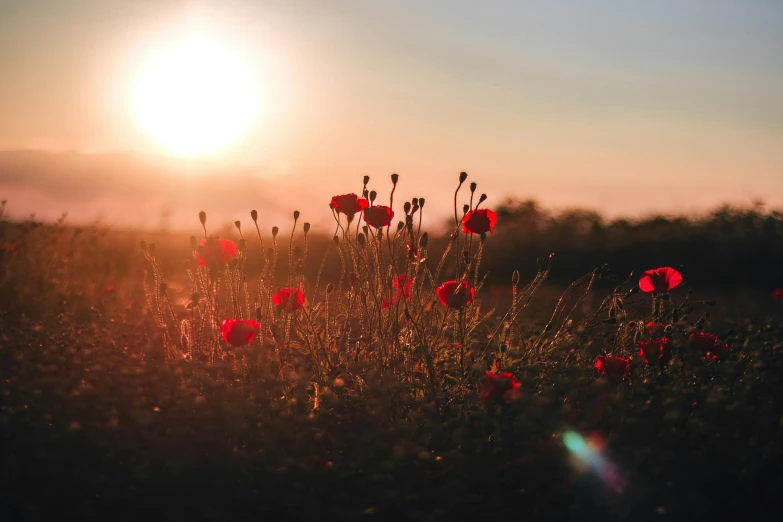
625, 106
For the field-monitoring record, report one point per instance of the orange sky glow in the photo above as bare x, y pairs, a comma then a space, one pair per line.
627, 110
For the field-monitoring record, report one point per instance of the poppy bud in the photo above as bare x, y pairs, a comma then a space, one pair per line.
465, 209
365, 230
275, 230
394, 178
421, 202
238, 225
406, 207
242, 245
473, 187
336, 240
373, 195
366, 180
329, 288
296, 215
151, 249
462, 177
400, 225
202, 216
423, 240
414, 209
254, 216
306, 228
193, 243
163, 287
362, 239
143, 245
482, 198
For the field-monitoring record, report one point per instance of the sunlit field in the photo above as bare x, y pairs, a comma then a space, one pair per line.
525, 365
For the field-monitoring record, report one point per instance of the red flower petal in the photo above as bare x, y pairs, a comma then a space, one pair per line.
500, 388
615, 367
238, 333
709, 344
660, 280
215, 253
349, 204
378, 216
655, 351
479, 221
290, 299
777, 294
456, 295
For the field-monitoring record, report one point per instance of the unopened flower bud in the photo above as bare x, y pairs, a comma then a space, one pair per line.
306, 228
336, 240
296, 215
238, 225
462, 177
275, 230
406, 207
395, 178
373, 195
421, 202
465, 209
366, 180
254, 216
482, 198
415, 202
400, 225
425, 237
202, 216
473, 187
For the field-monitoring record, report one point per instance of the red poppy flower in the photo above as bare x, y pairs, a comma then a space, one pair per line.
479, 221
456, 295
655, 351
215, 253
655, 330
777, 294
710, 345
378, 216
290, 299
500, 388
615, 367
349, 204
660, 280
238, 333
402, 285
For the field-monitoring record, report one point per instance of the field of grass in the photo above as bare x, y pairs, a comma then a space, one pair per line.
382, 394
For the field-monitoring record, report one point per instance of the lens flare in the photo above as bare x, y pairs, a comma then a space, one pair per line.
587, 455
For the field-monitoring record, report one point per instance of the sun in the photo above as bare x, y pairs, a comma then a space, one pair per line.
195, 99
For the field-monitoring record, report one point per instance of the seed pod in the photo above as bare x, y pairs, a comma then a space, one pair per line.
482, 198
421, 202
373, 195
275, 230
473, 187
306, 228
202, 216
238, 225
254, 216
465, 209
366, 180
406, 207
400, 225
462, 177
296, 215
394, 178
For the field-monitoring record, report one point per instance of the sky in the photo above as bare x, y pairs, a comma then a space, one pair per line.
631, 108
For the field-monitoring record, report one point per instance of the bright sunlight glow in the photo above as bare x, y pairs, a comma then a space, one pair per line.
195, 99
